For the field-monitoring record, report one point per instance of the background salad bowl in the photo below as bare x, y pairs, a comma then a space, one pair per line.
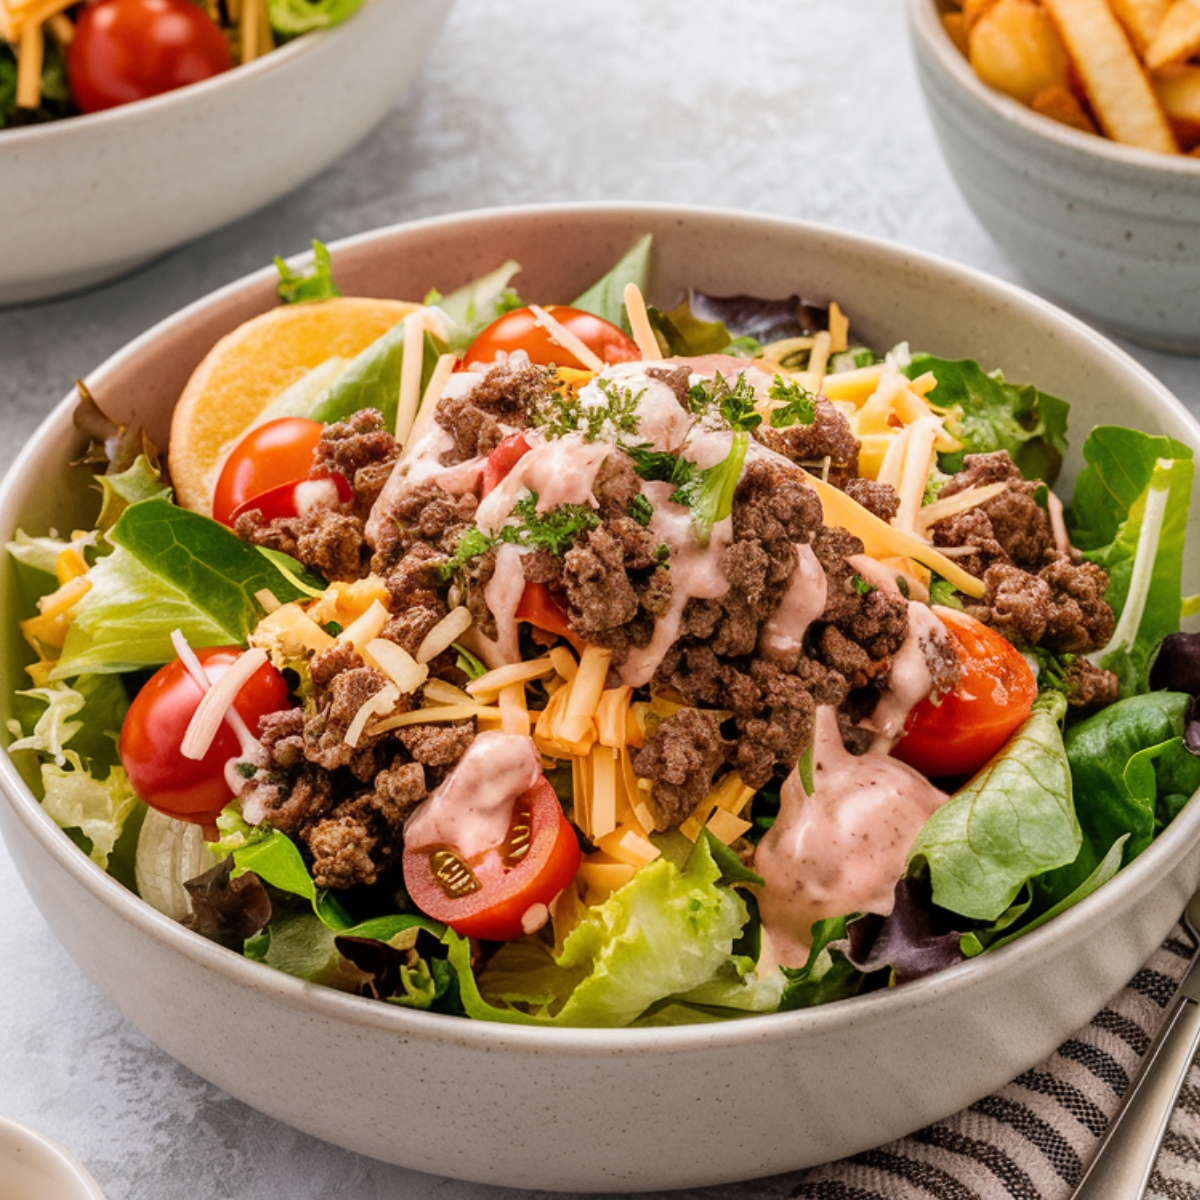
91, 197
1111, 230
578, 1109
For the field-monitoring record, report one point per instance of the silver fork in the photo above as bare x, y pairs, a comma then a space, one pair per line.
1123, 1163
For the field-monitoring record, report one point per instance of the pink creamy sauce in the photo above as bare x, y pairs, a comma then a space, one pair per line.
503, 594
661, 419
695, 571
803, 602
471, 810
842, 849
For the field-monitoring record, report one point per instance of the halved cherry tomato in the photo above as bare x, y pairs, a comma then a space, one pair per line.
539, 606
296, 499
125, 50
268, 457
503, 459
488, 895
957, 734
151, 737
519, 330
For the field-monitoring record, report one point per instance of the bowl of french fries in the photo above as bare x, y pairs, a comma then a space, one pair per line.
1073, 130
89, 197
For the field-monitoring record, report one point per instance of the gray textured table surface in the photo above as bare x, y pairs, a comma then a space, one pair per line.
804, 108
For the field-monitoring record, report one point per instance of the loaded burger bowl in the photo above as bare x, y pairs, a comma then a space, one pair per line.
683, 801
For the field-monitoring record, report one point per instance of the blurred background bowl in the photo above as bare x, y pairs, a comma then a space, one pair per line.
90, 197
1111, 231
593, 1109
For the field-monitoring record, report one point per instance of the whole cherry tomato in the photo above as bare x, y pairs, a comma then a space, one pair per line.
957, 733
126, 50
488, 895
152, 735
271, 455
519, 330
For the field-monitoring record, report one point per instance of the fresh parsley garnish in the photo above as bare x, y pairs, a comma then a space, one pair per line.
641, 510
660, 465
799, 405
733, 403
553, 531
567, 413
862, 586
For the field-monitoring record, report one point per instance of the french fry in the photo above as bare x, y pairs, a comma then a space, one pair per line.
1062, 105
1179, 93
1178, 37
1141, 18
1015, 48
1118, 87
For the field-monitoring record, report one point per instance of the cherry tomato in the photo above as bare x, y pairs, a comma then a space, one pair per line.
539, 606
295, 499
503, 459
125, 50
957, 734
519, 330
271, 455
151, 737
488, 895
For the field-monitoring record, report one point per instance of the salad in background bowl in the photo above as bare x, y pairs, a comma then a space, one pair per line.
697, 929
181, 163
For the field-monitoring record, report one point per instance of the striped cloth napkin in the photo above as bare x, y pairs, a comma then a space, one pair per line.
1033, 1139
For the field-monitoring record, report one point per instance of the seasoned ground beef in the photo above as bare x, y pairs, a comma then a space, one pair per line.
426, 514
828, 437
682, 757
501, 402
598, 589
362, 451
676, 378
327, 541
878, 498
438, 745
1088, 686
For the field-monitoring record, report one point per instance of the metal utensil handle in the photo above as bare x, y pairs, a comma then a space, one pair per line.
1122, 1166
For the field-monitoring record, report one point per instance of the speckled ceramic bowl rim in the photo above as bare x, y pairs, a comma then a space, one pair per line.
1163, 854
237, 78
926, 23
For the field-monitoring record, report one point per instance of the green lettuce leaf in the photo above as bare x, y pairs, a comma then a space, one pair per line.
473, 307
666, 932
141, 481
1013, 822
372, 379
88, 714
76, 799
995, 415
1124, 760
1129, 515
290, 18
826, 975
317, 282
170, 569
606, 297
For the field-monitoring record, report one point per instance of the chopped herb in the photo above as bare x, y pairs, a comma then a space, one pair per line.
1041, 496
709, 492
468, 664
332, 628
861, 586
471, 545
662, 554
314, 284
660, 465
902, 584
734, 403
567, 413
641, 510
553, 530
799, 404
943, 592
247, 770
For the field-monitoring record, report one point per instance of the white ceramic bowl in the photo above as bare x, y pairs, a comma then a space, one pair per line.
90, 197
1111, 231
614, 1110
32, 1167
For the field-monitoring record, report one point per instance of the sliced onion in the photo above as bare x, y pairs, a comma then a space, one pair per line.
169, 853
